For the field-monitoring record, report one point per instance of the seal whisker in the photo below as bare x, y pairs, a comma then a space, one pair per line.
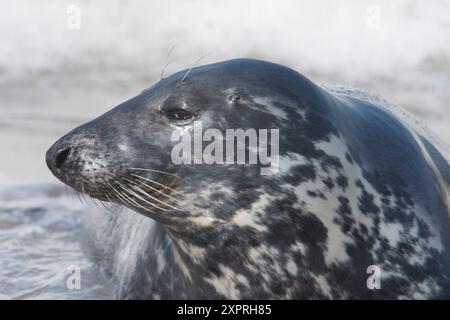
152, 188
83, 192
167, 64
118, 194
107, 197
124, 197
145, 193
103, 182
127, 200
131, 192
108, 206
66, 190
193, 65
165, 67
103, 202
157, 171
135, 204
69, 192
155, 182
75, 194
78, 196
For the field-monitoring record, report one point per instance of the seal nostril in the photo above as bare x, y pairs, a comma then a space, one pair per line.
61, 157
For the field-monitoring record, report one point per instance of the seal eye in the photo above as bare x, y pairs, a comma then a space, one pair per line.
179, 115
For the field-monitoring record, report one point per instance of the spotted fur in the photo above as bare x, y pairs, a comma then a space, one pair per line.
358, 185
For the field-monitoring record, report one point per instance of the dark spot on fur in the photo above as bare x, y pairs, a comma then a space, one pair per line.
301, 173
342, 181
331, 162
315, 194
366, 204
328, 182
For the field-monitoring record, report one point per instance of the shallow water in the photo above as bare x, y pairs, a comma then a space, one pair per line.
40, 230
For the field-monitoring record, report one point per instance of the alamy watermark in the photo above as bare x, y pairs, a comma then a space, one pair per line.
235, 146
373, 21
73, 280
73, 21
374, 280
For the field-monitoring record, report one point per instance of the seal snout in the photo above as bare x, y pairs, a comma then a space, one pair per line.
64, 161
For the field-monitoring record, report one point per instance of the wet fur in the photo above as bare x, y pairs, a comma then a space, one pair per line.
357, 186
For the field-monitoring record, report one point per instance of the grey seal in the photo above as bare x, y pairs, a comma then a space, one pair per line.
359, 184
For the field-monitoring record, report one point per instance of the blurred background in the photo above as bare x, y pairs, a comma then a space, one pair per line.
65, 62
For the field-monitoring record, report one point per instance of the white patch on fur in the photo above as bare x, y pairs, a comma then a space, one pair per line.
291, 267
160, 260
269, 103
289, 161
196, 253
227, 283
298, 247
